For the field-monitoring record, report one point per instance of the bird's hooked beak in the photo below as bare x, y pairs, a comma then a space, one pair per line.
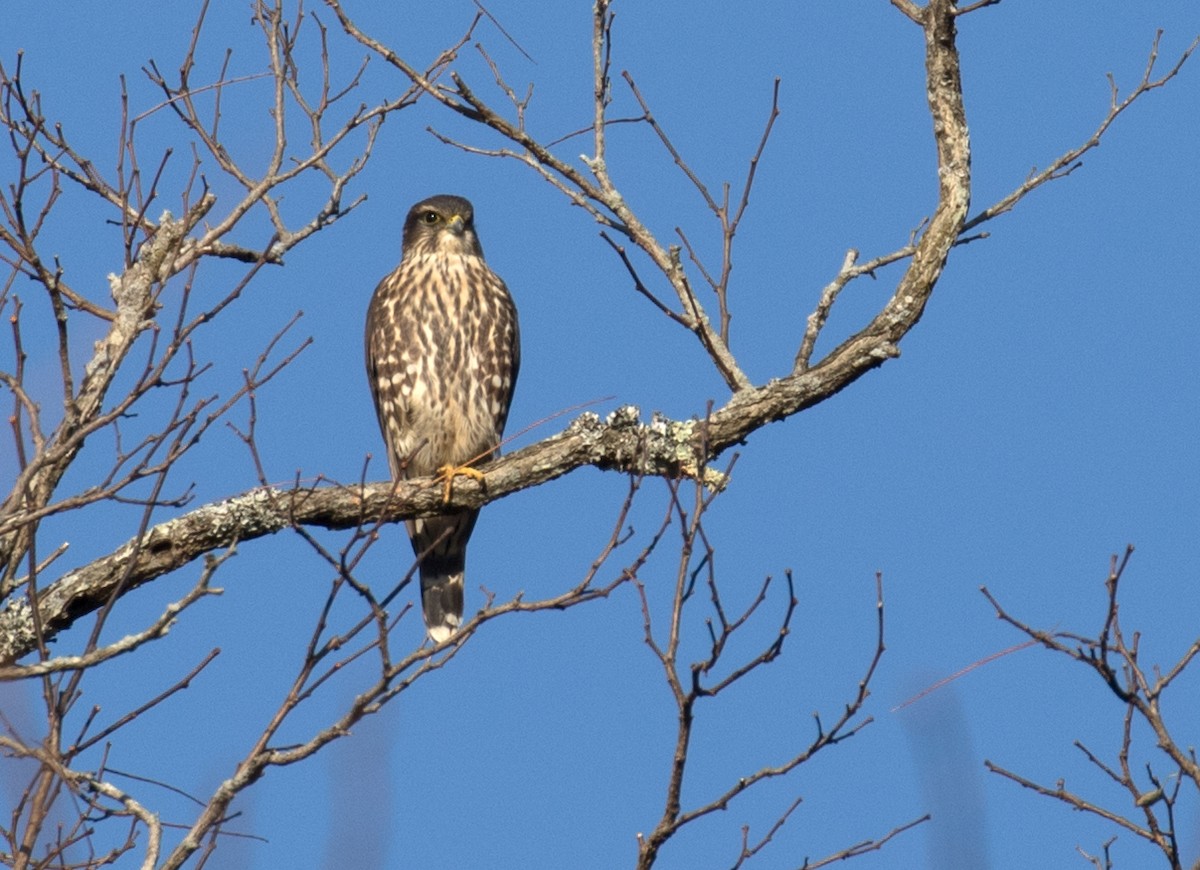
456, 224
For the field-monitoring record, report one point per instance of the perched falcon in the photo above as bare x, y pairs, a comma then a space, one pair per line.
442, 358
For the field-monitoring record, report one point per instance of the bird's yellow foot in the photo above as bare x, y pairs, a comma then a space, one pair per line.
449, 472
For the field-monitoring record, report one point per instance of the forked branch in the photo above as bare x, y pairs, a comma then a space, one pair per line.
1114, 657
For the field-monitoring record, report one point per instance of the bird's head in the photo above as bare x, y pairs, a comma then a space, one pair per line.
441, 224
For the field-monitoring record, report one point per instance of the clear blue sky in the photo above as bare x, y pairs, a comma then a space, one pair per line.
1043, 415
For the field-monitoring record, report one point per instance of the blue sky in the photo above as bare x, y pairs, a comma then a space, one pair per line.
1042, 416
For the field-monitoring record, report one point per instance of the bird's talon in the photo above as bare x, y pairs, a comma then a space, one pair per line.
449, 472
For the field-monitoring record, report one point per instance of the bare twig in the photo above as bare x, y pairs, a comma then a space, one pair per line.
1069, 161
1114, 659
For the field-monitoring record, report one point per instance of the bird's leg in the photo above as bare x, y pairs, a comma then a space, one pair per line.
449, 471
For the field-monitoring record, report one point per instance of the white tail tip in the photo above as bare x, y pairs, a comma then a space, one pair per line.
442, 633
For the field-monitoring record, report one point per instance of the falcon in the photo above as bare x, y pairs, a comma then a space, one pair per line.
443, 350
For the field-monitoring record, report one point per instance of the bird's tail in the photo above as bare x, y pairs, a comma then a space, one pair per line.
440, 544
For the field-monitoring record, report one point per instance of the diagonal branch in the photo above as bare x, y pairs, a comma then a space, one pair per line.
1070, 161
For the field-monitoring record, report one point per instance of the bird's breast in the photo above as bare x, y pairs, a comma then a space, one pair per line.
450, 332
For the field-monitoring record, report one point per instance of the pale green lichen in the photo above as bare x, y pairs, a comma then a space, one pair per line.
679, 439
669, 442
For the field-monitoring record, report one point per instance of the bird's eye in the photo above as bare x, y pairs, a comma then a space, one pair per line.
429, 217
